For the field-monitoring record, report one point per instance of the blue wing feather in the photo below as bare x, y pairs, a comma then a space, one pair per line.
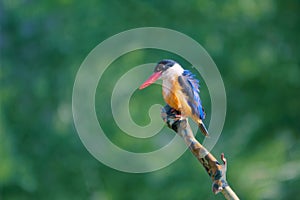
196, 103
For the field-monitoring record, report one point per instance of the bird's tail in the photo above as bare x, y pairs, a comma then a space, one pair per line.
203, 128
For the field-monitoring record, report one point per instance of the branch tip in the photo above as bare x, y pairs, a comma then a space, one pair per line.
215, 170
223, 158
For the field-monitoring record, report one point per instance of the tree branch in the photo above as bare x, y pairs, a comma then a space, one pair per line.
215, 170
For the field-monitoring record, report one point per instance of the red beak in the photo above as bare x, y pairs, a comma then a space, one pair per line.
151, 80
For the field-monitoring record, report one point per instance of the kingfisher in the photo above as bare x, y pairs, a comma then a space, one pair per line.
180, 90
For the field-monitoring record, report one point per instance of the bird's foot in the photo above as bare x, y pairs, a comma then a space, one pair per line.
171, 116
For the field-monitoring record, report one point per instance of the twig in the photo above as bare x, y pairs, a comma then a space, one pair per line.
215, 170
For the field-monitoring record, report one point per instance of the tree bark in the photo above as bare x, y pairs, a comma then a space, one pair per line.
215, 170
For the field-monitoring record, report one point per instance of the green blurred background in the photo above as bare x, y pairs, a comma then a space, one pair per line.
255, 45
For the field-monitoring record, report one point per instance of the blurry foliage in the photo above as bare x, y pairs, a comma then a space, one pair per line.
254, 43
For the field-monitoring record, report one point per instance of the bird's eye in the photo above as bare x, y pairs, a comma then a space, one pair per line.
159, 68
162, 67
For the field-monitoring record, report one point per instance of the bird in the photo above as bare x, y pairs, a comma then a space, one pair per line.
180, 90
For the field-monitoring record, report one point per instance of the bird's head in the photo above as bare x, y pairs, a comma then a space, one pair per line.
165, 69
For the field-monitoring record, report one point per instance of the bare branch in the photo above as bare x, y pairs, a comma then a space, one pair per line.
215, 170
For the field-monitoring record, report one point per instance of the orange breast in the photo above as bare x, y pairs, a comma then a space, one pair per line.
172, 100
174, 97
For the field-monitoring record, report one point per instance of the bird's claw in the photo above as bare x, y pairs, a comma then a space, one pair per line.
171, 116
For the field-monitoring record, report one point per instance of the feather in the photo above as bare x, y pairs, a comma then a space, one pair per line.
190, 87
